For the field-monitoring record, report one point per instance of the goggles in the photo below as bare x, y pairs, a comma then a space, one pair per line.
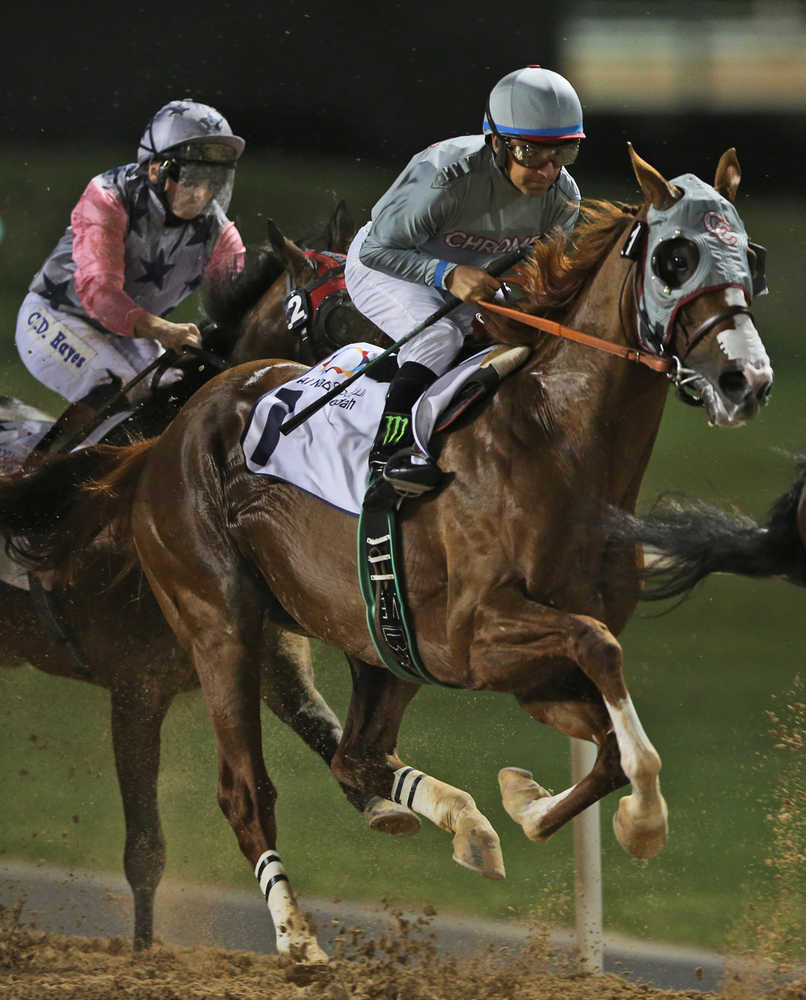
536, 155
216, 179
202, 152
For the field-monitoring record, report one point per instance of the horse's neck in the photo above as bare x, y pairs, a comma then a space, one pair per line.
607, 409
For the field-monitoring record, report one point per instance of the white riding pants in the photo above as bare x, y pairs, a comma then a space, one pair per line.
72, 358
397, 306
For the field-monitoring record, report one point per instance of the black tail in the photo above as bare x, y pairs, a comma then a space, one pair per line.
51, 515
693, 539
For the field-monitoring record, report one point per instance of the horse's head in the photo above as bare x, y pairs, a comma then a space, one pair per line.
698, 275
317, 308
253, 316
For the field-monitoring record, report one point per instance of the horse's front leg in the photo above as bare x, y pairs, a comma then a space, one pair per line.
367, 758
139, 705
517, 645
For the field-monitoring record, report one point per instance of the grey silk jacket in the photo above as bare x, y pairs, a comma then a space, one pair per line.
452, 205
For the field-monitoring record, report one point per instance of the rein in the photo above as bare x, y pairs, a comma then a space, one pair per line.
666, 366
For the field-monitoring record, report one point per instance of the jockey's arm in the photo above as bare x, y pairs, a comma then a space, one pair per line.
412, 215
99, 227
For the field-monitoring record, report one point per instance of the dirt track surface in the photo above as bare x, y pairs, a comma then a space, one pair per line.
401, 965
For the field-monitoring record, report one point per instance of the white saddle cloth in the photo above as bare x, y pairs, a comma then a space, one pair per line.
328, 455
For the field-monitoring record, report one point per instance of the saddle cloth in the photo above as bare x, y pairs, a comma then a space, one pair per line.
328, 455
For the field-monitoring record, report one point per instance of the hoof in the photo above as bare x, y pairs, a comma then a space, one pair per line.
388, 817
520, 796
306, 955
302, 973
476, 846
641, 836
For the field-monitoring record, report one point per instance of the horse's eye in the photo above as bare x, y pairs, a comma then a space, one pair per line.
675, 261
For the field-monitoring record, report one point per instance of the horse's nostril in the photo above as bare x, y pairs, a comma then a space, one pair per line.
764, 391
733, 386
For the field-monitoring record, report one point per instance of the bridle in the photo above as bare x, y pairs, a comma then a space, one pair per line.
670, 365
309, 308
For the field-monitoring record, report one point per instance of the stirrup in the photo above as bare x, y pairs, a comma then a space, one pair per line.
409, 478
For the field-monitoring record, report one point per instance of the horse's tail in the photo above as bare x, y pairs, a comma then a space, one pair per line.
49, 516
685, 540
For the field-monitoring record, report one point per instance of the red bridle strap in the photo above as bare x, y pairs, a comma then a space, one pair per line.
652, 361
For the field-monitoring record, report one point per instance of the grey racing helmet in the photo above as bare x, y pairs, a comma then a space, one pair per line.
193, 131
534, 105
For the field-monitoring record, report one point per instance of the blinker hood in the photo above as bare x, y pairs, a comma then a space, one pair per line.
710, 222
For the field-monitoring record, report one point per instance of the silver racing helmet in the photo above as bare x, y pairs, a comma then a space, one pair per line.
195, 147
533, 110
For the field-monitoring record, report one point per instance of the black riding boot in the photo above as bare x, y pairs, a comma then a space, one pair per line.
394, 456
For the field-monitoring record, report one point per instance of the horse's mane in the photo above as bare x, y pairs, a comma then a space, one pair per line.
554, 275
227, 302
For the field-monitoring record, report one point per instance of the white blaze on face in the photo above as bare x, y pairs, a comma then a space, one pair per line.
741, 341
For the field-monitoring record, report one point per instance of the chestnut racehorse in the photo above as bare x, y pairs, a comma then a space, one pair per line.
510, 574
107, 629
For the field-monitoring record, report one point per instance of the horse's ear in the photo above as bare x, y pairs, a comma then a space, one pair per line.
289, 254
656, 188
728, 174
340, 229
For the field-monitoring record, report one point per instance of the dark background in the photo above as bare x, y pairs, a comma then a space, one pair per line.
376, 81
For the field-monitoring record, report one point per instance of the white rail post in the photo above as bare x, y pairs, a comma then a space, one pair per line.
587, 867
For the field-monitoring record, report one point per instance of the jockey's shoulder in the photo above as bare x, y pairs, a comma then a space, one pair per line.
457, 159
567, 187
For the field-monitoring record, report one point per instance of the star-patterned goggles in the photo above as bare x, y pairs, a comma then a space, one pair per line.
536, 155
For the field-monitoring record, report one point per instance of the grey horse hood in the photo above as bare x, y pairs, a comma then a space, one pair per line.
712, 238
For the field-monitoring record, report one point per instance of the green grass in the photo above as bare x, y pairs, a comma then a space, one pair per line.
702, 676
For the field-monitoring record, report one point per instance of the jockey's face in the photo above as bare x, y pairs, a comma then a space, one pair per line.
534, 182
186, 202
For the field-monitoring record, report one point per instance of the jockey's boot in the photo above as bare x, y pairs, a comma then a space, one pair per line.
394, 456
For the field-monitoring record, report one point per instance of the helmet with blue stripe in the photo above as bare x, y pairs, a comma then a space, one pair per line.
534, 105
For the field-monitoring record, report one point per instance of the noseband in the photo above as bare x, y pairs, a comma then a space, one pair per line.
697, 335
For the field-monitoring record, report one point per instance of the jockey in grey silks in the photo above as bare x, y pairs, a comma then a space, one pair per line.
456, 206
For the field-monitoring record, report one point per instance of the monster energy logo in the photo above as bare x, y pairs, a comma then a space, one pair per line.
396, 427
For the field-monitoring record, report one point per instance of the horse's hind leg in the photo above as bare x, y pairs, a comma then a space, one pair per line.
216, 611
367, 758
289, 690
138, 709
